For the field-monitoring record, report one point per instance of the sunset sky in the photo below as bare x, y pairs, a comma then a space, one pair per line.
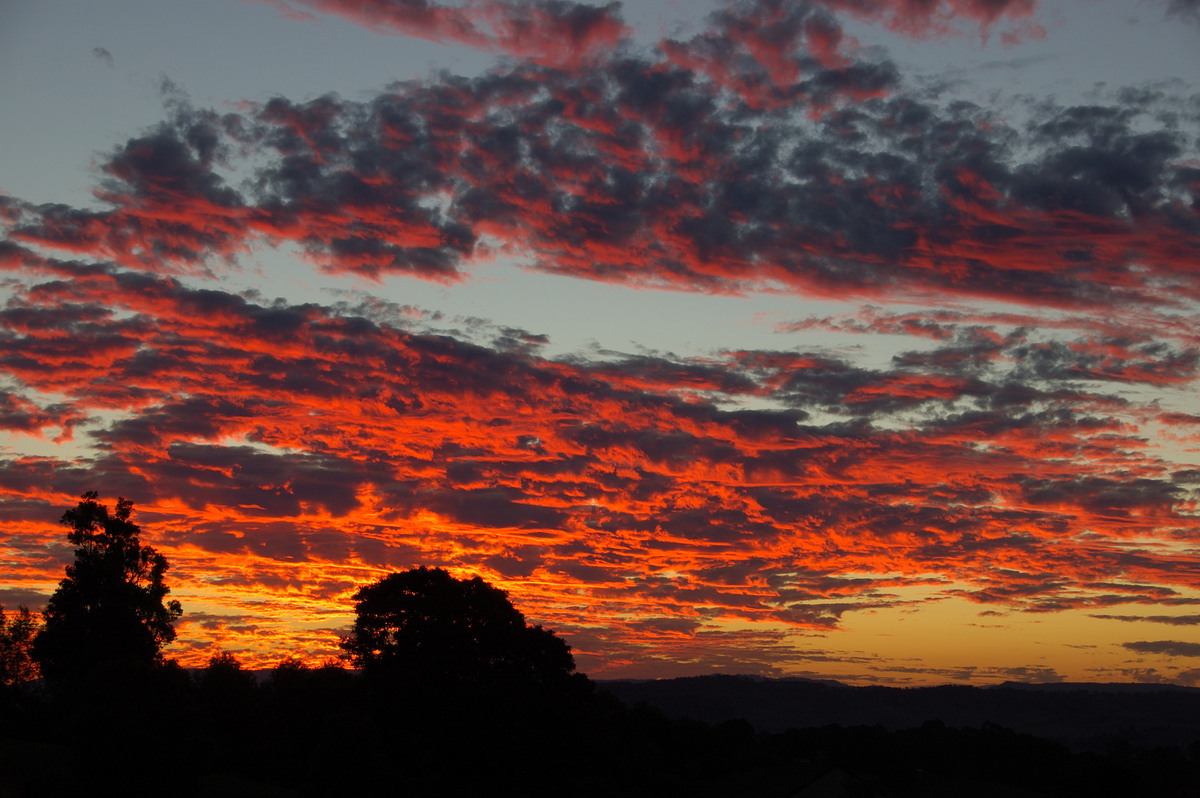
850, 338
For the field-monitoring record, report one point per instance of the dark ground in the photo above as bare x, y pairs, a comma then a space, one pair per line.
330, 732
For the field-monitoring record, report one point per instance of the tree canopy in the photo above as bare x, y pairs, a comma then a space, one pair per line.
425, 624
108, 614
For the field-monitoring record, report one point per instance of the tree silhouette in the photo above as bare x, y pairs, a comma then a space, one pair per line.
108, 615
425, 625
17, 631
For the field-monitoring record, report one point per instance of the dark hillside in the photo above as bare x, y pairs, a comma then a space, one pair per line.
1086, 717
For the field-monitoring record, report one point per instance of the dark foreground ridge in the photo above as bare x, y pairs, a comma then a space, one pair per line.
1082, 716
328, 731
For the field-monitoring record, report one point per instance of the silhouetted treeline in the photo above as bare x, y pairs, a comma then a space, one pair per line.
301, 731
1085, 717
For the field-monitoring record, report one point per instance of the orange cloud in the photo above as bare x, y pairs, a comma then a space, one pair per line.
287, 453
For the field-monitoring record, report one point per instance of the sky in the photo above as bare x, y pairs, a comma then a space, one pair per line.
848, 339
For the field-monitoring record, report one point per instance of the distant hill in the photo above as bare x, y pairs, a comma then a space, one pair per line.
1096, 687
1086, 717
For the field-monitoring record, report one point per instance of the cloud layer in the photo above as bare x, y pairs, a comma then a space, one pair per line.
654, 508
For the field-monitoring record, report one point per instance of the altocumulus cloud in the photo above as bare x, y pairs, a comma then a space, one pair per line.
659, 508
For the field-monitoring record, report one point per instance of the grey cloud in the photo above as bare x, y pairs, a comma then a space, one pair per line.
1171, 648
892, 192
1174, 620
1187, 10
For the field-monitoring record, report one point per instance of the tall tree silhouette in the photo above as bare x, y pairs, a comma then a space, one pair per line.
108, 615
424, 624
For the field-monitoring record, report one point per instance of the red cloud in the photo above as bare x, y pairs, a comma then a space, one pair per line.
294, 452
546, 31
648, 173
928, 18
